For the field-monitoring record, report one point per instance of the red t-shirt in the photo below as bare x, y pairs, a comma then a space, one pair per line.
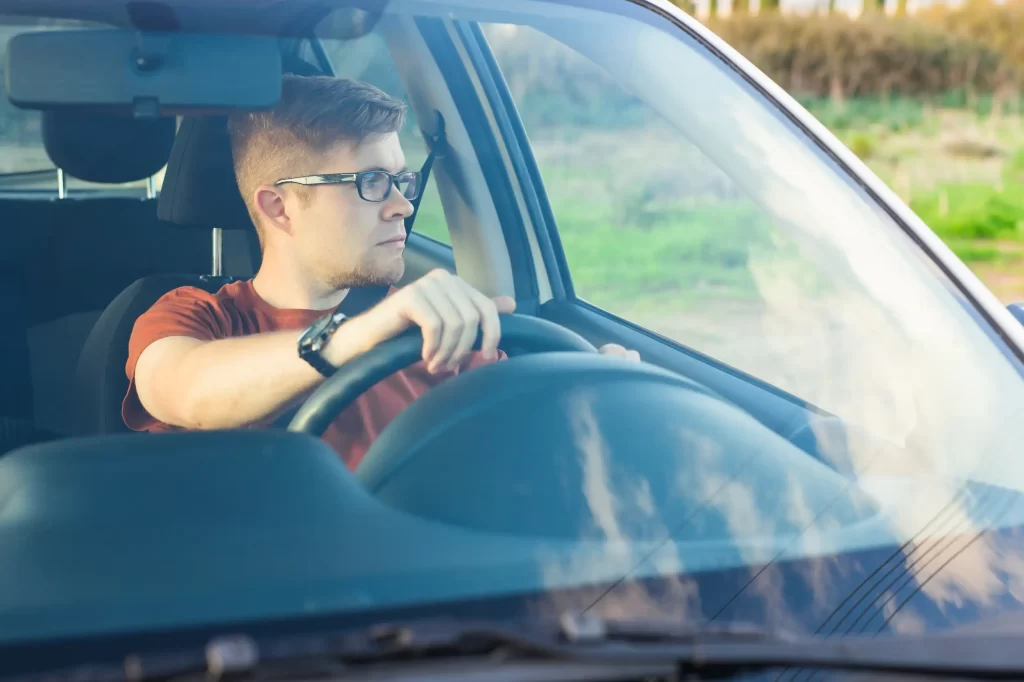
237, 310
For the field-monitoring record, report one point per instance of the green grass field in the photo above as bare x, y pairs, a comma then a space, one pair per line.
671, 225
961, 169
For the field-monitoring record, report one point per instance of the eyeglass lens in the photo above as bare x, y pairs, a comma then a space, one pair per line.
376, 185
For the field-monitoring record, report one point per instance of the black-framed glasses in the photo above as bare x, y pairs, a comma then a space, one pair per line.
374, 185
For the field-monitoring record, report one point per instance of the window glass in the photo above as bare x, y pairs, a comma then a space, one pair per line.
653, 231
689, 204
368, 59
687, 207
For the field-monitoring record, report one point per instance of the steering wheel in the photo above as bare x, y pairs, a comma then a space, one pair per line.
530, 334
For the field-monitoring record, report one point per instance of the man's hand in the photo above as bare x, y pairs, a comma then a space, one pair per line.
617, 351
448, 311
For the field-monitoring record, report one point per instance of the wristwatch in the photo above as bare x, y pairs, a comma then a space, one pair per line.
316, 336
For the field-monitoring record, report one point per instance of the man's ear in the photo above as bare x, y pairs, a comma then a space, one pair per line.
271, 206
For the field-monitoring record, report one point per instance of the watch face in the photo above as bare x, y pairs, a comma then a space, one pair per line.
316, 334
315, 330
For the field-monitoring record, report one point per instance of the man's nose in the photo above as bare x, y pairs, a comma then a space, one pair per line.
397, 207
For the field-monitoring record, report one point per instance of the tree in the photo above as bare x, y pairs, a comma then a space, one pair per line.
740, 6
769, 6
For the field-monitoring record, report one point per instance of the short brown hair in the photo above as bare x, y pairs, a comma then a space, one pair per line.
313, 114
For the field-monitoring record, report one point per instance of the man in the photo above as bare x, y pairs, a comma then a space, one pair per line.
324, 178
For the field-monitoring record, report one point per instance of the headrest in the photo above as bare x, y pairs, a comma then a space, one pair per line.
199, 188
107, 148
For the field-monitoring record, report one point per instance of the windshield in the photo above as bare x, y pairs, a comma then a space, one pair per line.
734, 236
876, 449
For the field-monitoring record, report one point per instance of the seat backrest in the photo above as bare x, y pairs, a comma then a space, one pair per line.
63, 260
100, 381
19, 235
198, 194
96, 247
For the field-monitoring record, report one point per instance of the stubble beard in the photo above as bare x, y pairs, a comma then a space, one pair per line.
363, 276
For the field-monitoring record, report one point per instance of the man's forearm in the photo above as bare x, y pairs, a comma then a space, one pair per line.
236, 382
240, 381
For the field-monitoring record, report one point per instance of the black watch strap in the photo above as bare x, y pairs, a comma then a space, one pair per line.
312, 342
358, 300
318, 363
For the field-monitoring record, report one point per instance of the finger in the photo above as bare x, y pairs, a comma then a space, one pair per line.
462, 299
423, 314
505, 304
438, 293
489, 324
614, 350
633, 355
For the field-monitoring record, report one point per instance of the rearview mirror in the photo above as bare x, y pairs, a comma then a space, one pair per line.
146, 74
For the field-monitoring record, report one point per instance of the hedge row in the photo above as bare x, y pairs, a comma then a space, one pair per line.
998, 25
840, 57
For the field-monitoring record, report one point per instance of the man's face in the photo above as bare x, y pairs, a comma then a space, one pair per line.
345, 240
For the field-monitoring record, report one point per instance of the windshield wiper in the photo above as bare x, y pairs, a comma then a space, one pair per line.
606, 649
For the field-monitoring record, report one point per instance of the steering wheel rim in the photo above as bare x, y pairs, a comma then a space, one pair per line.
357, 376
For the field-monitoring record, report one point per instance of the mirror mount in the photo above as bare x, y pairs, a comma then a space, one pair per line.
150, 51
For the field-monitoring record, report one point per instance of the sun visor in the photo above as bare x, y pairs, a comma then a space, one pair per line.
144, 74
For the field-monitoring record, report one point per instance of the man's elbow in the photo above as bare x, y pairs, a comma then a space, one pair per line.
199, 412
165, 387
193, 417
182, 393
175, 403
174, 407
203, 408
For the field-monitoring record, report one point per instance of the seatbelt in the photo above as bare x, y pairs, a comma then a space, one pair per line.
360, 299
437, 143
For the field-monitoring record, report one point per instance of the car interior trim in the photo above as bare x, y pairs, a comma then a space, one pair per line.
485, 146
536, 263
474, 228
510, 129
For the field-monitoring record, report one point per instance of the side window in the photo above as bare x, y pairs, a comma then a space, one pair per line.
653, 231
368, 59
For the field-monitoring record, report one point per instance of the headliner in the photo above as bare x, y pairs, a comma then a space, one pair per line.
257, 17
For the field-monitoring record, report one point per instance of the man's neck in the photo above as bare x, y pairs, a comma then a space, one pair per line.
283, 289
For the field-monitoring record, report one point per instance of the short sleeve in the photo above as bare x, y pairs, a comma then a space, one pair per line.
187, 311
